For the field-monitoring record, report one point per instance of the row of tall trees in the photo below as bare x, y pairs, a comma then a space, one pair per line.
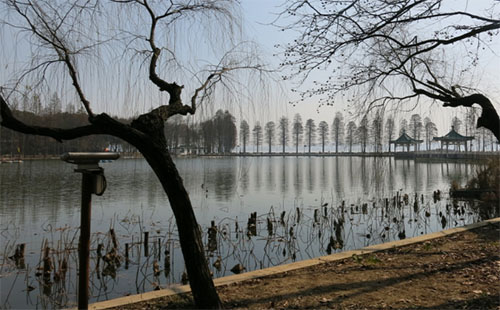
219, 134
375, 132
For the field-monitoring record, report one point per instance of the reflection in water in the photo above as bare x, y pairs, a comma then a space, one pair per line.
338, 180
271, 185
224, 181
244, 175
310, 174
364, 175
258, 177
324, 175
297, 181
338, 203
284, 174
379, 170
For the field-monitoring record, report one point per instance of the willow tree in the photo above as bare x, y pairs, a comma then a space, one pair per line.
394, 51
85, 41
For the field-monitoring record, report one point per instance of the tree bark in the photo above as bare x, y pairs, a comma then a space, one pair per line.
201, 283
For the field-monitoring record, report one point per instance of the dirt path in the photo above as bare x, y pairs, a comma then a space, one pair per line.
459, 271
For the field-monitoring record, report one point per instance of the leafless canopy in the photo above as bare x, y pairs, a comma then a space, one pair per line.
381, 51
64, 32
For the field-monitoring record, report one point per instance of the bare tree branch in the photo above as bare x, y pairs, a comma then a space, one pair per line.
372, 46
52, 38
59, 134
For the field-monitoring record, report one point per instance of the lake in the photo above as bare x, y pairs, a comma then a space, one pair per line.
305, 207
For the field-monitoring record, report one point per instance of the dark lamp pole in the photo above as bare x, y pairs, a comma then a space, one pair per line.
93, 182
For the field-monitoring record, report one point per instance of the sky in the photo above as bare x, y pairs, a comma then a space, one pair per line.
260, 13
257, 16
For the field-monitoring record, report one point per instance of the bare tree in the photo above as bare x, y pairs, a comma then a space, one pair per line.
389, 131
323, 134
64, 36
377, 131
310, 133
456, 123
362, 133
470, 123
297, 131
430, 131
283, 133
269, 132
416, 127
403, 126
257, 135
393, 50
338, 130
351, 134
244, 134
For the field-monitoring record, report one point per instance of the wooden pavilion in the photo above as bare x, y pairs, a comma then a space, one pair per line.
406, 140
453, 138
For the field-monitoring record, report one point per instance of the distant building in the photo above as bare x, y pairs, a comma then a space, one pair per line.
453, 138
405, 140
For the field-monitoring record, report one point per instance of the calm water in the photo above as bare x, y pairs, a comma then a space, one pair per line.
40, 201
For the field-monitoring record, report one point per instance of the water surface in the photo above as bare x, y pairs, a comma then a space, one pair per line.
309, 201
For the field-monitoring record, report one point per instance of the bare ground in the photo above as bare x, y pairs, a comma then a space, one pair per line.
459, 271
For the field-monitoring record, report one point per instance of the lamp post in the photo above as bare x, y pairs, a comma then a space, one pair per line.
93, 182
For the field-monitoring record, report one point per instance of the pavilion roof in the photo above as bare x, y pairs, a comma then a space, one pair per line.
453, 136
405, 139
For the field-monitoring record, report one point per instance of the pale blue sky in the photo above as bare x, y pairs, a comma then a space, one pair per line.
257, 16
260, 13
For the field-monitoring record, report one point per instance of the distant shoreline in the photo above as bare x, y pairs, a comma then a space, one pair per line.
420, 155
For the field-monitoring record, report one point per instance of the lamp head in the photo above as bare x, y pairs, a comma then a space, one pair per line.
88, 160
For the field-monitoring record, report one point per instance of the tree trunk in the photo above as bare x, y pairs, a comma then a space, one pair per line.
202, 286
155, 152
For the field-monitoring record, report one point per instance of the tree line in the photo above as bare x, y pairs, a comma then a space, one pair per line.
219, 133
370, 133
